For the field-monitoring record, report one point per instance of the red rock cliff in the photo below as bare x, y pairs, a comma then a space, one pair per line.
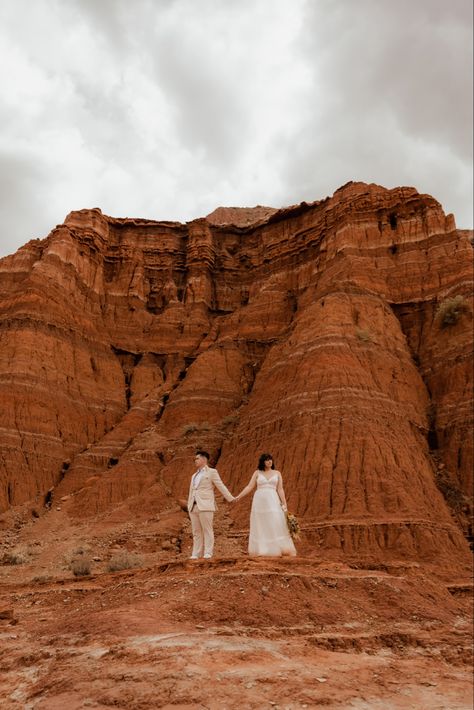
312, 332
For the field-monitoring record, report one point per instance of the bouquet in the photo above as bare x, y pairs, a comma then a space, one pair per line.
293, 526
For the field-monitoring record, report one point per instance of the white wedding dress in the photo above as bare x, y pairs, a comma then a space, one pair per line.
269, 534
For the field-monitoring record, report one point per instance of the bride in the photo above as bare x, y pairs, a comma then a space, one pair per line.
269, 534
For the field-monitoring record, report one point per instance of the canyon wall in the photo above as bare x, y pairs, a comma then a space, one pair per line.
313, 332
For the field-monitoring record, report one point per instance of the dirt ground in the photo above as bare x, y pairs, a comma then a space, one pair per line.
231, 632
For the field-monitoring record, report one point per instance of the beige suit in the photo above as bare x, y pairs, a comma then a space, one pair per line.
201, 507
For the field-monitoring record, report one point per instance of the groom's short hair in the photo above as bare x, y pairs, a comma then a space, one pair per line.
203, 453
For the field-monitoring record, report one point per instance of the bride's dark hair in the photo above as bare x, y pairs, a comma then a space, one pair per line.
262, 459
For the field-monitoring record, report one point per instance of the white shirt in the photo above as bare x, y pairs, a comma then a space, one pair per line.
197, 477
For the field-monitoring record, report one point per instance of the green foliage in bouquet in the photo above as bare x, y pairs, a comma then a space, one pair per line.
293, 526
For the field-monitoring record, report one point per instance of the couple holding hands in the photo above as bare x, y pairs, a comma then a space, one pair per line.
268, 535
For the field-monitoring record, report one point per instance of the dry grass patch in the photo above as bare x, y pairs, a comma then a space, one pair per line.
41, 579
451, 310
193, 427
230, 419
364, 335
451, 493
124, 560
81, 567
17, 556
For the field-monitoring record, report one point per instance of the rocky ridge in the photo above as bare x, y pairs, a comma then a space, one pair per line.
310, 331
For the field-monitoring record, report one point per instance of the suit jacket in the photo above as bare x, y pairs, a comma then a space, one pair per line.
203, 495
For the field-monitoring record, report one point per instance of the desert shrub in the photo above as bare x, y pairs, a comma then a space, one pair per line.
450, 310
41, 579
82, 550
15, 557
123, 560
451, 493
230, 419
78, 555
194, 427
81, 567
364, 335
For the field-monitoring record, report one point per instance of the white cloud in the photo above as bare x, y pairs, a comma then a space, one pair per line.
168, 108
394, 100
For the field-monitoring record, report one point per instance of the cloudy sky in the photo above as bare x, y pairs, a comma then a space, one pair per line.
166, 109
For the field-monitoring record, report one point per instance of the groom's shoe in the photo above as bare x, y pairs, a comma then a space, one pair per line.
194, 557
207, 556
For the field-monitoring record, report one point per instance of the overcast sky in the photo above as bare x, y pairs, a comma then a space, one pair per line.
166, 109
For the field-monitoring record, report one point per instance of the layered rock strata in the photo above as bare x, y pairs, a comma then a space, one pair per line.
312, 332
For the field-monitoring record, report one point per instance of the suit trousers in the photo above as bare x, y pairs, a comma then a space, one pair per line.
203, 532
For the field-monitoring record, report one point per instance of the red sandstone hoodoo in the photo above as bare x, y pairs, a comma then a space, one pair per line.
312, 331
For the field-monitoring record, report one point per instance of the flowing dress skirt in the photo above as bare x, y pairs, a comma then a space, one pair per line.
269, 534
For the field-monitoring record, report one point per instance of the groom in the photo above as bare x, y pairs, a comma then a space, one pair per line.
201, 505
